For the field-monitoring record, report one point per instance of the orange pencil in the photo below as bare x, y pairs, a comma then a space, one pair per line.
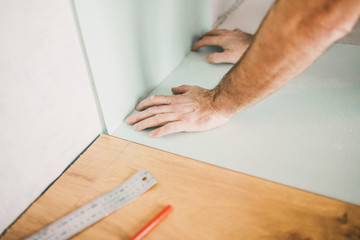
155, 221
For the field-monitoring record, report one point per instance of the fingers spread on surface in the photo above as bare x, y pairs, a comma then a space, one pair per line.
206, 41
171, 127
181, 89
157, 120
189, 111
154, 100
148, 113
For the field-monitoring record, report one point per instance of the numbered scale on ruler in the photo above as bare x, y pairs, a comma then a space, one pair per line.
97, 209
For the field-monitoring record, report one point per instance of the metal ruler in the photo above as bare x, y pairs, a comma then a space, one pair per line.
97, 209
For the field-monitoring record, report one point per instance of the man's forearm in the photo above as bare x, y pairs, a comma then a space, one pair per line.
292, 35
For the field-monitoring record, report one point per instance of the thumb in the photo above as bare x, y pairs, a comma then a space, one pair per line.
220, 57
181, 89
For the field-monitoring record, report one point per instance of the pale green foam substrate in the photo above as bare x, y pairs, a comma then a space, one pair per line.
306, 135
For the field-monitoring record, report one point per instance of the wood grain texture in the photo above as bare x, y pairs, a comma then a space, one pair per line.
209, 202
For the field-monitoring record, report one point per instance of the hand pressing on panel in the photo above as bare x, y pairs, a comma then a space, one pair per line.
233, 42
190, 110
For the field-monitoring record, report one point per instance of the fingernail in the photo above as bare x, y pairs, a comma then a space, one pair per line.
136, 127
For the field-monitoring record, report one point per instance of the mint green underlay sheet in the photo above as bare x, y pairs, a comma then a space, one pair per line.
306, 135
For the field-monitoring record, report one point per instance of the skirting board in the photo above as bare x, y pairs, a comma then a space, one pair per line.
306, 135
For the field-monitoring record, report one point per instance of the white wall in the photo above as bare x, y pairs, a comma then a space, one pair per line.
47, 109
134, 44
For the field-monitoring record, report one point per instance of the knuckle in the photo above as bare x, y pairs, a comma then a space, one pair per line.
188, 108
193, 108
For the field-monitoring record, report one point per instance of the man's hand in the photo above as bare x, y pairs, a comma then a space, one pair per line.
233, 42
190, 110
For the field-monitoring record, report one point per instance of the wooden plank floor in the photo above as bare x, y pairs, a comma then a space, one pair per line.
209, 202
